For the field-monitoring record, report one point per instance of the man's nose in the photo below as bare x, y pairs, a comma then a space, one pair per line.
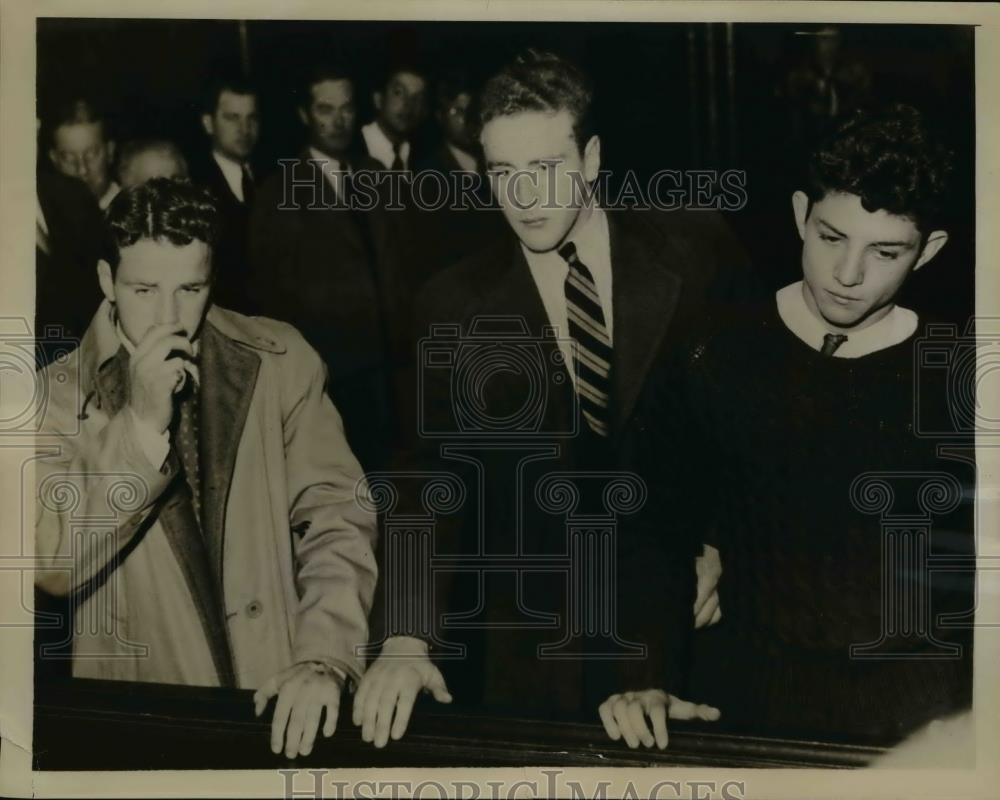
167, 311
850, 270
525, 191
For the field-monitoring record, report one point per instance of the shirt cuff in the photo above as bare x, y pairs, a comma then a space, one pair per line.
155, 445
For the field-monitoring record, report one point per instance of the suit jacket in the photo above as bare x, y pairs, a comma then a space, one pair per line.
67, 292
668, 270
335, 275
232, 270
283, 569
446, 234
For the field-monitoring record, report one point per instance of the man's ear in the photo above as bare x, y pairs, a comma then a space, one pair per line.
377, 100
110, 147
592, 158
935, 241
106, 279
800, 206
207, 124
303, 116
53, 157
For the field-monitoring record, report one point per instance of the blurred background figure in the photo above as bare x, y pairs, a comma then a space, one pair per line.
825, 83
400, 109
80, 147
231, 120
143, 159
465, 218
330, 270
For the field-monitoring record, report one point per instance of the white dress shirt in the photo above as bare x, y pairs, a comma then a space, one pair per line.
333, 170
549, 271
110, 194
232, 171
896, 326
380, 147
465, 160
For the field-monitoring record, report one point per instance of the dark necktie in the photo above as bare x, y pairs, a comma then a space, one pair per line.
247, 185
592, 351
831, 342
186, 440
397, 158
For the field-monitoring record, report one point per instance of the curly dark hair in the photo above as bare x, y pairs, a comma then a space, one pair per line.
537, 80
890, 160
171, 209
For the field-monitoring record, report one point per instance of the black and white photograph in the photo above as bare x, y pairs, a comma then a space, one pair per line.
500, 388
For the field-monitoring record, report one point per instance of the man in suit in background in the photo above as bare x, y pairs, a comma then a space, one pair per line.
329, 267
68, 243
400, 109
623, 291
231, 119
456, 215
80, 146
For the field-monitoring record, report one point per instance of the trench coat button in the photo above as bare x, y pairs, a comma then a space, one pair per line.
254, 609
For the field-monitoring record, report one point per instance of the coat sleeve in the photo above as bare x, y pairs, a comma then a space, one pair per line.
95, 492
333, 534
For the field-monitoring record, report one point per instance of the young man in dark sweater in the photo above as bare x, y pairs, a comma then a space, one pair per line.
802, 412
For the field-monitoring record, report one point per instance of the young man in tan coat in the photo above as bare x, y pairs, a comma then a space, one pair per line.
196, 494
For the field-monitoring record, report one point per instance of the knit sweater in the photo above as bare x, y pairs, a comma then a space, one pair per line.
776, 434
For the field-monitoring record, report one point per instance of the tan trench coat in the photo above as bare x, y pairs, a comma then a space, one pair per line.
283, 533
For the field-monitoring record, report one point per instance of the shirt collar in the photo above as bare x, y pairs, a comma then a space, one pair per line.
466, 161
380, 147
895, 327
232, 171
110, 193
326, 162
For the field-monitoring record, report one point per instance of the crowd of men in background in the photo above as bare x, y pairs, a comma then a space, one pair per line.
342, 279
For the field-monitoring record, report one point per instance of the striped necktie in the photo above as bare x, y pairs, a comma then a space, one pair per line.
592, 353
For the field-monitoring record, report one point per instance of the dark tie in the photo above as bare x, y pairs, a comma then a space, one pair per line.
397, 158
831, 342
592, 353
247, 185
186, 440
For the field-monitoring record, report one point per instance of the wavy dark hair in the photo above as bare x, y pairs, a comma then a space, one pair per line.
168, 209
888, 158
537, 80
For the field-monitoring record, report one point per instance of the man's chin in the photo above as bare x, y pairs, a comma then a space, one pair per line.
840, 317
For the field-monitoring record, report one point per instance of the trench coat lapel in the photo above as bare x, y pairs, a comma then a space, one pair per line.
229, 373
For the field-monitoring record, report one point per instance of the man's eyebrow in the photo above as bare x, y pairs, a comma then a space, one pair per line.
543, 159
892, 244
147, 284
492, 164
822, 221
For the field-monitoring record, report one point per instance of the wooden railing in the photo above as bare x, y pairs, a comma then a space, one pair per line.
108, 725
